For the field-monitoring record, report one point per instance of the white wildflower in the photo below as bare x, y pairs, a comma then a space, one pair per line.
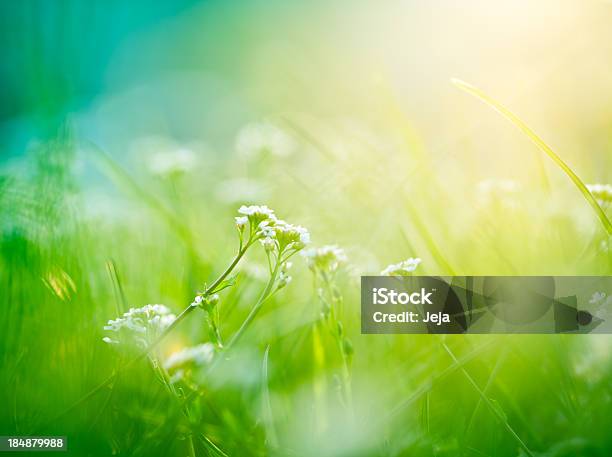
403, 268
239, 189
181, 160
256, 214
289, 234
284, 235
283, 280
601, 192
268, 243
200, 355
206, 302
283, 275
326, 258
503, 192
255, 271
212, 300
286, 280
183, 363
140, 326
255, 140
273, 233
241, 222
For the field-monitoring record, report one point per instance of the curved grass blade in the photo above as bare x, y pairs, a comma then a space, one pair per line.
211, 447
541, 145
497, 412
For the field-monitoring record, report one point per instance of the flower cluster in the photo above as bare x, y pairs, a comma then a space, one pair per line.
274, 234
281, 236
279, 239
403, 268
182, 363
254, 214
325, 259
601, 192
140, 326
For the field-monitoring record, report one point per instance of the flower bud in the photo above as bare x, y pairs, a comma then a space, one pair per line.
347, 348
268, 244
241, 222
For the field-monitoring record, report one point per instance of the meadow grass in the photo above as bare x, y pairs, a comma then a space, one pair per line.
292, 375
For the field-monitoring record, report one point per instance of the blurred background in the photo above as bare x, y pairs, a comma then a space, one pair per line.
131, 132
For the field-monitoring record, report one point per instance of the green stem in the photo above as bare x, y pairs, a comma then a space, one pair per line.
191, 446
333, 324
163, 374
346, 380
255, 308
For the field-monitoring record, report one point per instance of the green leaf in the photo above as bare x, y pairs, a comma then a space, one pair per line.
229, 282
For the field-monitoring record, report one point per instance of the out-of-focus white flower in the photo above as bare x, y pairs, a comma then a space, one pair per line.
200, 355
182, 363
403, 268
241, 189
601, 192
241, 222
503, 192
283, 280
140, 326
326, 258
257, 139
212, 300
255, 271
181, 160
283, 277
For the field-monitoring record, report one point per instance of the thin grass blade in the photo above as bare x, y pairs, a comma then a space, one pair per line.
541, 145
